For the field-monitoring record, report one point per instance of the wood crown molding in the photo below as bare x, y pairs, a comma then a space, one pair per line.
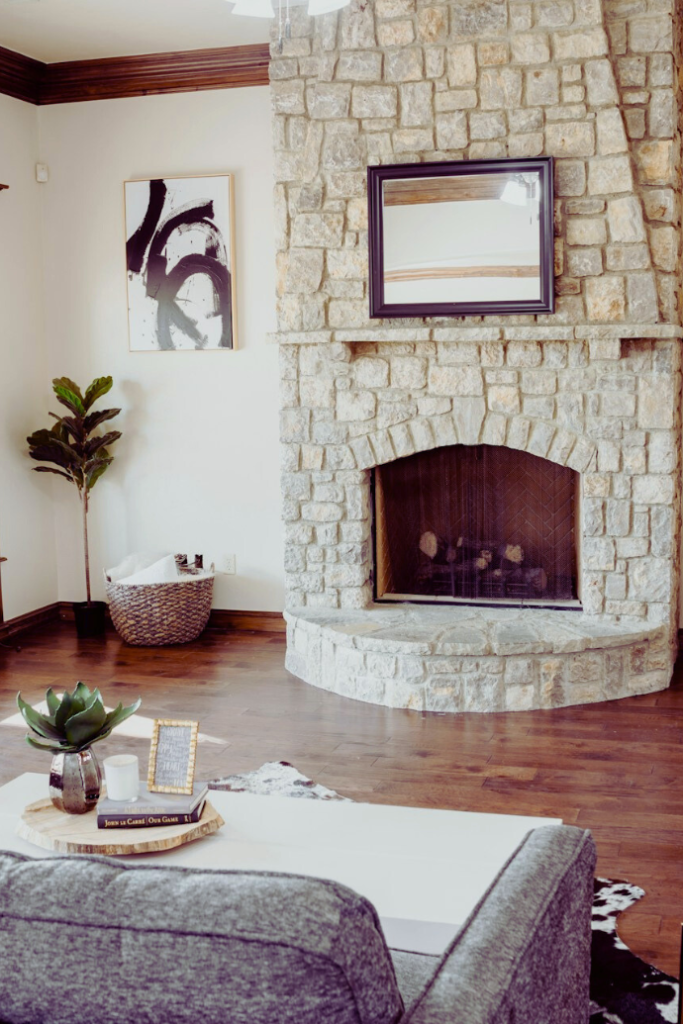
146, 74
20, 76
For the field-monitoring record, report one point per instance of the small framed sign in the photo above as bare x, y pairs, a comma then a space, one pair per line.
172, 756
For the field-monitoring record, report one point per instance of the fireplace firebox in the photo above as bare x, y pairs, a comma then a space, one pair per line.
481, 523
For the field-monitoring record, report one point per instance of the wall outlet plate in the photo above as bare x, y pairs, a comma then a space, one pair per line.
227, 564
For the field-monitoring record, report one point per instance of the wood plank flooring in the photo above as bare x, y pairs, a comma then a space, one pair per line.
616, 768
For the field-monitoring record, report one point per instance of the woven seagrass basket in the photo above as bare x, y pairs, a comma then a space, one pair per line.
155, 614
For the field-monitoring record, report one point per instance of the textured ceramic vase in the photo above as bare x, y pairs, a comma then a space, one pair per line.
75, 781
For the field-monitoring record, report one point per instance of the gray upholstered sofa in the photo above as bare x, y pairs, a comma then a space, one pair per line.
93, 941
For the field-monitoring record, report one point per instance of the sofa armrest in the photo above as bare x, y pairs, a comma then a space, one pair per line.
523, 955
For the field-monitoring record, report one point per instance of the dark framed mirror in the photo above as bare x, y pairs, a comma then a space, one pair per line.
461, 238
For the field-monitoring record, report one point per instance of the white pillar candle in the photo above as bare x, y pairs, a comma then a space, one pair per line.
122, 777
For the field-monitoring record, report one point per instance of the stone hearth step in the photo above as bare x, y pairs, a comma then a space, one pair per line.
468, 658
469, 630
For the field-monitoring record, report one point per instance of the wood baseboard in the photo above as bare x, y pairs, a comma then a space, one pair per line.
30, 620
256, 622
221, 618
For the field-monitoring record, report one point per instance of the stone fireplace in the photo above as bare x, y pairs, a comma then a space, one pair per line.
584, 403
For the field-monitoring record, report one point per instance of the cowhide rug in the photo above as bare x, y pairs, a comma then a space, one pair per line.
624, 989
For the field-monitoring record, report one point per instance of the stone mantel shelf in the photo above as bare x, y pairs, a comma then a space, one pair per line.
561, 332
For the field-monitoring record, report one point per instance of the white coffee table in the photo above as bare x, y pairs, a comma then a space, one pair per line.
424, 870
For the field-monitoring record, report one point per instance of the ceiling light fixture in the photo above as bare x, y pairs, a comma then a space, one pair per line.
254, 8
325, 6
281, 9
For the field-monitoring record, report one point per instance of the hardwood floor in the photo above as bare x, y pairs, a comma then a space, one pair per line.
616, 768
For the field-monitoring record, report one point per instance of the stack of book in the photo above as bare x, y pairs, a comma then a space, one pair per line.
153, 809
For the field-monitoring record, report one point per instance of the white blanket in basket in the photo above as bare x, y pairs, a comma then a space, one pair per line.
136, 570
134, 564
163, 571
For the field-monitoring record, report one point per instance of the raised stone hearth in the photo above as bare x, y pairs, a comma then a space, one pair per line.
474, 659
595, 387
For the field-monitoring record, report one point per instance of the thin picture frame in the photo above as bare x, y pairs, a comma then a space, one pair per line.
185, 783
230, 245
378, 175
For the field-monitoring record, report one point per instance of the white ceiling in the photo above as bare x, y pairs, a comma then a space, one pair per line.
55, 30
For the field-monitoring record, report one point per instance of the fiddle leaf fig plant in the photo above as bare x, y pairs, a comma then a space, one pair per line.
72, 445
74, 722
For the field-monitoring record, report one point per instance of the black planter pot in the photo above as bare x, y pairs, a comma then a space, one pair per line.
90, 618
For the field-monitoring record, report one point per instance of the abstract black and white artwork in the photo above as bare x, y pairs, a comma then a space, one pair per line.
180, 261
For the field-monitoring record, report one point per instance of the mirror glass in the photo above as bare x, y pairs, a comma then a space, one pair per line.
466, 238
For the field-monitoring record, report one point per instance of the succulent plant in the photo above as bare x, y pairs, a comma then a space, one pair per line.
75, 722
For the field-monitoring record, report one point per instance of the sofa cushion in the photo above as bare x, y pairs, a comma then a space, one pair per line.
88, 939
414, 971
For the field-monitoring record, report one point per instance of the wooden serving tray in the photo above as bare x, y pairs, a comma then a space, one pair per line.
43, 825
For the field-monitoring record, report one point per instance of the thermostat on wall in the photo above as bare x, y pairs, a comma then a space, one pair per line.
42, 173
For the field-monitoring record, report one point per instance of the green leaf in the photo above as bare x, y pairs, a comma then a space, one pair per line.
65, 709
43, 436
95, 696
57, 472
111, 715
51, 745
56, 436
53, 701
85, 726
66, 395
51, 454
69, 449
60, 433
95, 461
70, 425
96, 443
96, 467
38, 722
70, 401
94, 419
54, 450
82, 691
99, 387
120, 714
66, 382
80, 698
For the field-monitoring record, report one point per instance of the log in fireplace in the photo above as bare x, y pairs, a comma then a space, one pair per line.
476, 523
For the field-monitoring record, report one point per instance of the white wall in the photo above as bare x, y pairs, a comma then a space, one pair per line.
29, 577
197, 469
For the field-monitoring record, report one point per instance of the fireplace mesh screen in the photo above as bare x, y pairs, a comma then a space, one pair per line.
475, 522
